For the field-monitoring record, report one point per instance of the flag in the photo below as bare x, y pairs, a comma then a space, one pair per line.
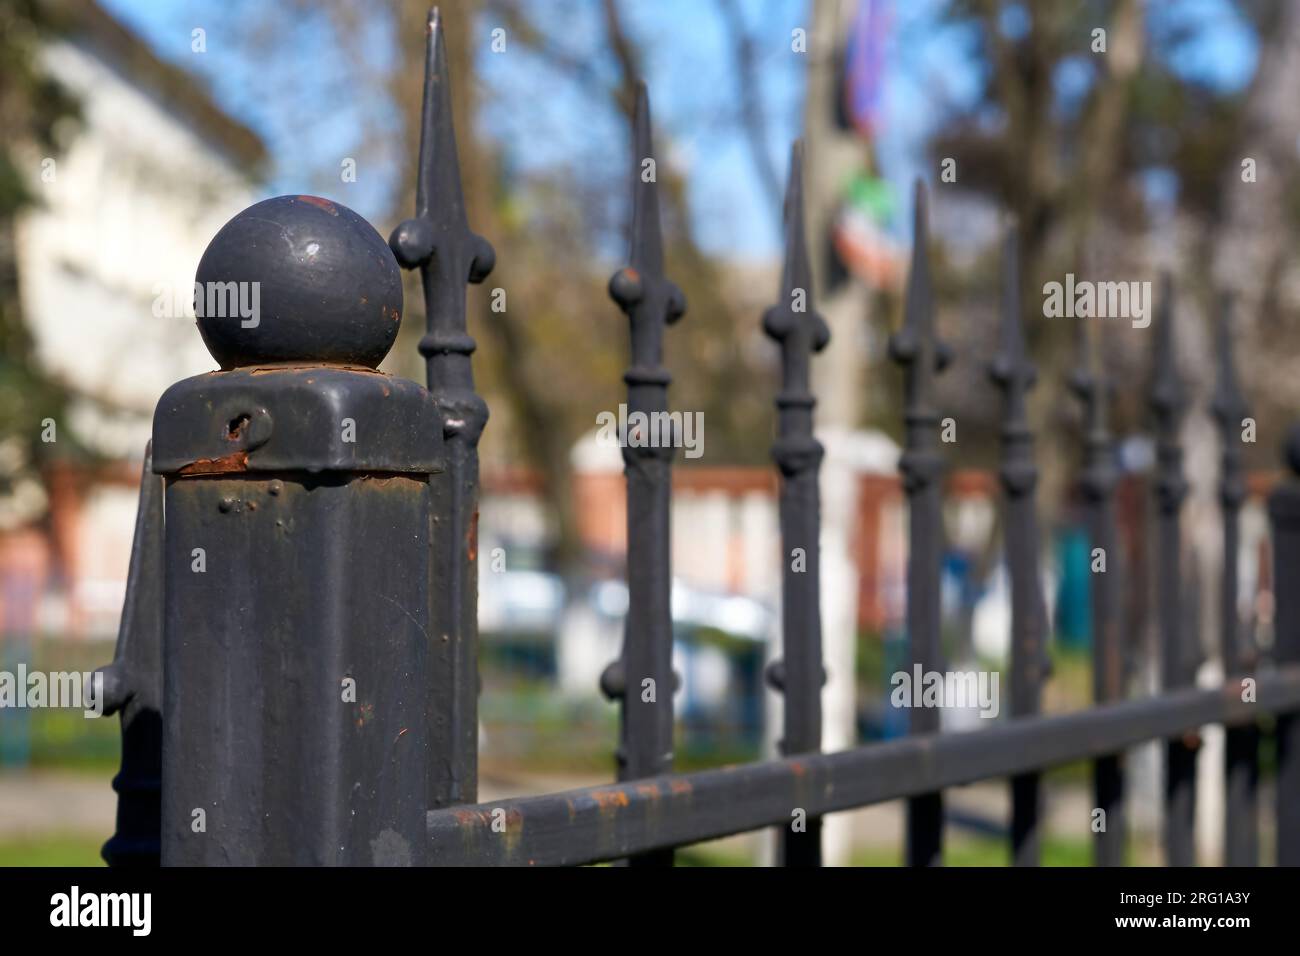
864, 67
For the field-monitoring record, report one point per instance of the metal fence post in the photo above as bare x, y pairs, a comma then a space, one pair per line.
800, 673
299, 641
1178, 666
916, 348
1015, 375
1097, 485
1284, 513
133, 688
642, 679
438, 242
1241, 751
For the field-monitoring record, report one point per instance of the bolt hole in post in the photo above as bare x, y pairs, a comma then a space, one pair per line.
236, 427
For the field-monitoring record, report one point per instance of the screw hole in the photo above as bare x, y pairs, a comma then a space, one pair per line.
235, 428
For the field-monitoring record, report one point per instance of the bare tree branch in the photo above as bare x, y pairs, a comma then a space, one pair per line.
750, 93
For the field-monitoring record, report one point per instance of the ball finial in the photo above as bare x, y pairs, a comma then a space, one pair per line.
298, 279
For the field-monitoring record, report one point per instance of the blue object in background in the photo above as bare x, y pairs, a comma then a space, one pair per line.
1073, 599
15, 722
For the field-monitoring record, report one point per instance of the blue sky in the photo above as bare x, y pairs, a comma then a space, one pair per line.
308, 122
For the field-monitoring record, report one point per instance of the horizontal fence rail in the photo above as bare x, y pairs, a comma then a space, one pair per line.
606, 822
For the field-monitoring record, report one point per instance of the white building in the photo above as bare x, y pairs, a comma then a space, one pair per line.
151, 173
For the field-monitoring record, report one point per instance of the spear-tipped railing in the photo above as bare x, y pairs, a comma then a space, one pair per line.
799, 674
1109, 667
1015, 375
917, 349
642, 679
1168, 402
1241, 756
1284, 515
439, 243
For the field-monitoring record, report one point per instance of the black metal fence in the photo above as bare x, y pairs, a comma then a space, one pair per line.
296, 671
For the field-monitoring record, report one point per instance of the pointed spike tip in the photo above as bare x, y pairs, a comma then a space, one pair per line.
792, 209
642, 102
1012, 333
642, 138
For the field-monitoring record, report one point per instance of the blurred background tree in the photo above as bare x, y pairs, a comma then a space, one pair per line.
1115, 155
1116, 151
36, 113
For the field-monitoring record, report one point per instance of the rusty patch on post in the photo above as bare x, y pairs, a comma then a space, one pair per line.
236, 461
325, 204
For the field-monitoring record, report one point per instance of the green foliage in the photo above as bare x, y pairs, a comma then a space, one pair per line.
35, 112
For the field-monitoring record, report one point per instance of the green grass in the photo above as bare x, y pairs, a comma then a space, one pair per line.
970, 852
987, 852
56, 850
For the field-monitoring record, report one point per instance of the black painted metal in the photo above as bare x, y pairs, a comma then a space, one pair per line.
286, 418
133, 687
799, 675
298, 718
1284, 511
642, 679
1014, 374
286, 248
1178, 667
439, 243
1109, 670
1241, 767
915, 347
601, 823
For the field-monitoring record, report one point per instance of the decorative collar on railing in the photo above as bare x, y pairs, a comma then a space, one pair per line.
1094, 390
650, 300
439, 242
799, 330
1168, 397
1229, 408
915, 346
1011, 369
